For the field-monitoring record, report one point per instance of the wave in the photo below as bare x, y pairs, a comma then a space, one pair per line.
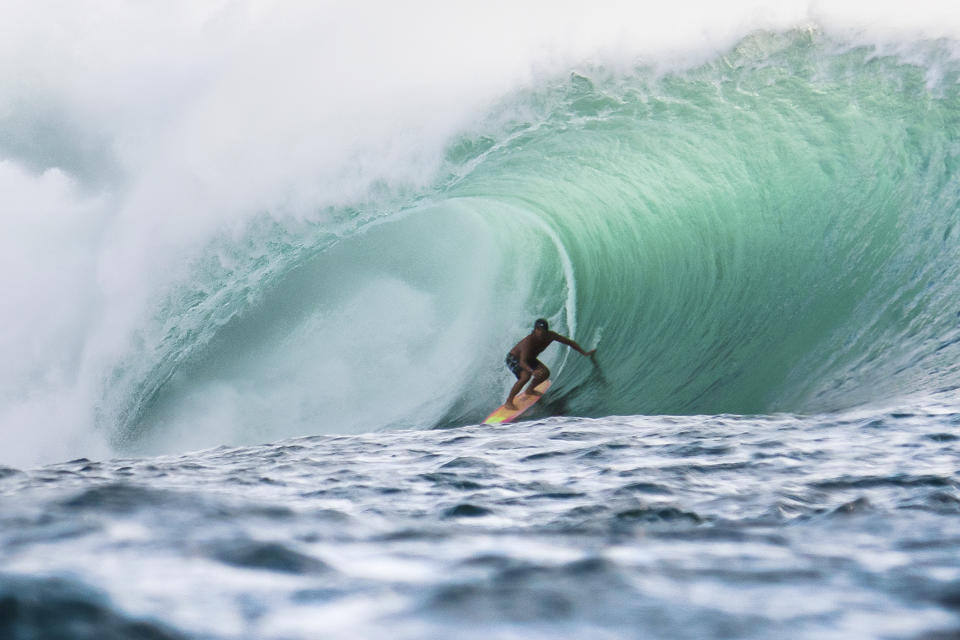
770, 232
768, 229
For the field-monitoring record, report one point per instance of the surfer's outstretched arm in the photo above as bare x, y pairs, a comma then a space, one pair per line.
570, 343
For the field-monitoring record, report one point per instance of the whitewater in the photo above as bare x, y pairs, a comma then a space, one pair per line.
260, 264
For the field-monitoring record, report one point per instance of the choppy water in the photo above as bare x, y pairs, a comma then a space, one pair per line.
833, 526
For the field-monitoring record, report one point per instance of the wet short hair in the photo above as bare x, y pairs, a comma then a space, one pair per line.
541, 324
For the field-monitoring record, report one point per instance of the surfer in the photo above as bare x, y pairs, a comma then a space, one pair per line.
522, 359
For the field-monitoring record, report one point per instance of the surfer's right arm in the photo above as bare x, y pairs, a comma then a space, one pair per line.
570, 343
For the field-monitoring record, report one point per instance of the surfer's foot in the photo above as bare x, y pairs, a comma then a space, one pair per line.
509, 405
534, 393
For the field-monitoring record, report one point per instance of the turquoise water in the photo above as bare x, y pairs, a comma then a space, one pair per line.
772, 231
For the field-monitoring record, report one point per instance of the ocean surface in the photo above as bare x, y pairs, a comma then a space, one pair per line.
260, 264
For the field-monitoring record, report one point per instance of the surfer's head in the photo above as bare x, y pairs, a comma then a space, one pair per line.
541, 324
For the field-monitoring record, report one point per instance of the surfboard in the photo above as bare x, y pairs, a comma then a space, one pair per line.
522, 401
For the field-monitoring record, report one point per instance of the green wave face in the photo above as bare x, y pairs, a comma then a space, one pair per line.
772, 231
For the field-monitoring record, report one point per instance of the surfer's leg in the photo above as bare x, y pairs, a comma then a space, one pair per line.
522, 378
540, 374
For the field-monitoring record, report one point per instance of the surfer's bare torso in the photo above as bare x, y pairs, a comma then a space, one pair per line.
527, 350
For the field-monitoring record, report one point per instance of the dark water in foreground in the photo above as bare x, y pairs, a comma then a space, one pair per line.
836, 526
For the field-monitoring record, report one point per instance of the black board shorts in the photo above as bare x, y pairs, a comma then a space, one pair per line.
513, 363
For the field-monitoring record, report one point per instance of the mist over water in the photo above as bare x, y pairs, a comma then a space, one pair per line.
236, 222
